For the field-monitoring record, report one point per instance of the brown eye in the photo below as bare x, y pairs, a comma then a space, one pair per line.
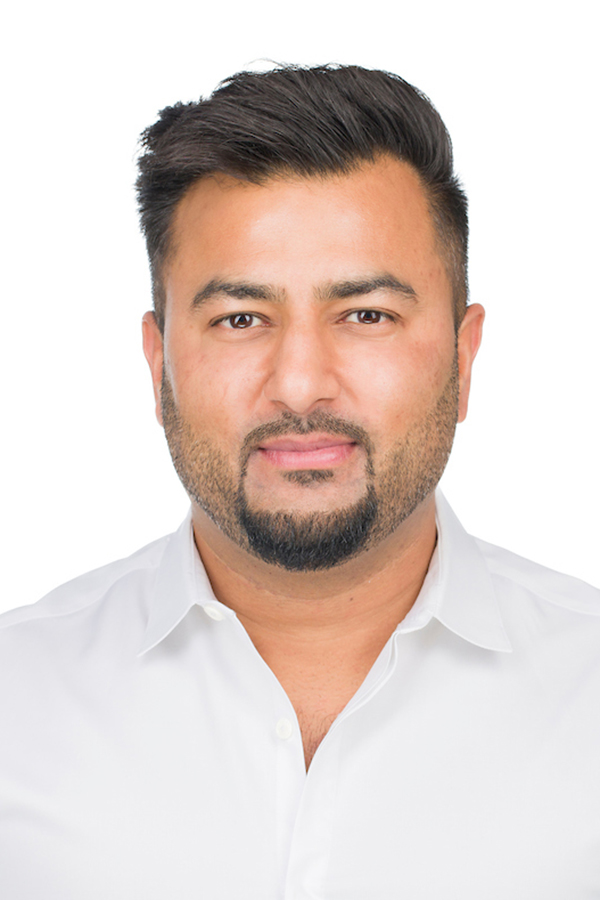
240, 320
367, 316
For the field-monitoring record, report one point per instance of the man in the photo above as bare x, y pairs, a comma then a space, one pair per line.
320, 686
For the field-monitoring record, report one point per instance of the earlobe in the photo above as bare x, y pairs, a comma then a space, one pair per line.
469, 339
153, 351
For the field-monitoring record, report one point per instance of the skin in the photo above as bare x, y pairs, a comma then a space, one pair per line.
303, 356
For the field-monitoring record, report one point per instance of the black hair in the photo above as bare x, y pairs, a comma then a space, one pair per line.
306, 122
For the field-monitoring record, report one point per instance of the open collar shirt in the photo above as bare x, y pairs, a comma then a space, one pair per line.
147, 750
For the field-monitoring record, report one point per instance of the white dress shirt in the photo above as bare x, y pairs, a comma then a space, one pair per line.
147, 751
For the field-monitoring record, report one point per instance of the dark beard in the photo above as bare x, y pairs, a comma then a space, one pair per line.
321, 540
308, 543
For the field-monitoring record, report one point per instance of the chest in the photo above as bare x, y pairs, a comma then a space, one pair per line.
314, 724
318, 699
402, 799
447, 779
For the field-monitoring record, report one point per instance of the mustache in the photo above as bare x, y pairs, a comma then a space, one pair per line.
289, 424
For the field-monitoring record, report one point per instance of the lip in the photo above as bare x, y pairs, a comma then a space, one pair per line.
310, 452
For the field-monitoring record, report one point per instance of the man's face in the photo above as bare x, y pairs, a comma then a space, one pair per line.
310, 378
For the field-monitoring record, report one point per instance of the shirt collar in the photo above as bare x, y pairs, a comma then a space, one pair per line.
458, 590
181, 582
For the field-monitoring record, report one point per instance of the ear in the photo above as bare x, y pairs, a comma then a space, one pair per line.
153, 351
469, 339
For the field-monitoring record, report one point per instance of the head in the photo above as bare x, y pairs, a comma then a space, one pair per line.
311, 344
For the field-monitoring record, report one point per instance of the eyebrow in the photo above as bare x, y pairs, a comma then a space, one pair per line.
340, 290
241, 290
343, 289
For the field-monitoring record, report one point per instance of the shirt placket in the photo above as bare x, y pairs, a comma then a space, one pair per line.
315, 820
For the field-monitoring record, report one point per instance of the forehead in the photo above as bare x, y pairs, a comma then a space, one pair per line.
375, 217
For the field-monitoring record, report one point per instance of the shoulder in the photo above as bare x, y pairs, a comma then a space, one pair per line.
87, 590
515, 576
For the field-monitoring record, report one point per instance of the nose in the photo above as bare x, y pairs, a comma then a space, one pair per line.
302, 372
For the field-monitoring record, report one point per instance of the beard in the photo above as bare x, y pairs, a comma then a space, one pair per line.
306, 542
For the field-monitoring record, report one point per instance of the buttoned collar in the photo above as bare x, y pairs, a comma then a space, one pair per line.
458, 590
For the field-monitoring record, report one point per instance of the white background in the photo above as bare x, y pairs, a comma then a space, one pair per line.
85, 471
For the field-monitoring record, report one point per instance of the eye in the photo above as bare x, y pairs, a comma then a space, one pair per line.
367, 317
239, 321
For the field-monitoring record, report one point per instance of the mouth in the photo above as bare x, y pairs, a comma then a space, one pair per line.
310, 452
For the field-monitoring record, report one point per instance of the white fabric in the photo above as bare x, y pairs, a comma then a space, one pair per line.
147, 751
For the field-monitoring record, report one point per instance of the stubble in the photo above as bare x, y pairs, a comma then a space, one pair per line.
394, 485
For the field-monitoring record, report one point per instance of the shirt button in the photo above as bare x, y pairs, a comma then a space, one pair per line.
213, 613
284, 729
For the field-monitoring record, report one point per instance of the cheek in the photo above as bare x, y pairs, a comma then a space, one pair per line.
214, 390
402, 373
396, 387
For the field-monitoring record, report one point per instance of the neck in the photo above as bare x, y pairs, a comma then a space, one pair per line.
376, 587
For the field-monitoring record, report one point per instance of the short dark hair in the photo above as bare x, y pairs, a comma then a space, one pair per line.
306, 122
